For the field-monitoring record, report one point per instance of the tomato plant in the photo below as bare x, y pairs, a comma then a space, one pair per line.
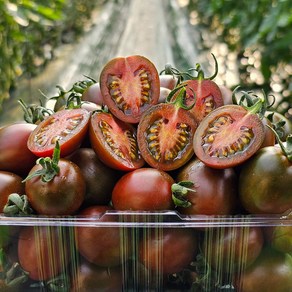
114, 141
214, 191
55, 186
15, 156
165, 133
143, 189
129, 85
68, 126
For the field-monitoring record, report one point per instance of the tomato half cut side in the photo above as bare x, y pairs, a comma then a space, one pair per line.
68, 126
129, 85
228, 136
165, 134
114, 142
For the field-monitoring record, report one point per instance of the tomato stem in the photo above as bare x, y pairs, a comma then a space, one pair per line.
179, 101
17, 205
179, 192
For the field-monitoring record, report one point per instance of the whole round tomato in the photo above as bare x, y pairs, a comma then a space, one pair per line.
43, 251
226, 94
98, 191
265, 182
228, 136
168, 81
114, 142
271, 271
15, 156
63, 195
168, 251
9, 183
214, 190
68, 126
165, 134
129, 85
90, 277
144, 189
98, 244
231, 248
93, 94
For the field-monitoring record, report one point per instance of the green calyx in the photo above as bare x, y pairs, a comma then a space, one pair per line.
17, 205
179, 192
50, 167
180, 99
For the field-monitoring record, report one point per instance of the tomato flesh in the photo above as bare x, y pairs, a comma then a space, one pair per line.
228, 136
68, 126
129, 85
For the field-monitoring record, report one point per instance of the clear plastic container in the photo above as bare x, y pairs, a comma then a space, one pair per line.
146, 251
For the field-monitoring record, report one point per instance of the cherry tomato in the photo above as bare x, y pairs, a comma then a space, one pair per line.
43, 251
272, 271
168, 251
63, 195
9, 183
90, 277
228, 249
228, 136
165, 134
68, 126
14, 155
265, 182
93, 94
98, 191
99, 245
214, 190
114, 142
129, 85
143, 189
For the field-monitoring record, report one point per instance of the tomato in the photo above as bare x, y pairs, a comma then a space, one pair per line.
168, 251
265, 182
63, 195
214, 190
98, 191
114, 142
43, 251
68, 126
272, 271
231, 248
226, 94
129, 85
99, 245
168, 81
228, 136
14, 155
90, 277
164, 92
269, 138
165, 134
9, 183
93, 94
144, 189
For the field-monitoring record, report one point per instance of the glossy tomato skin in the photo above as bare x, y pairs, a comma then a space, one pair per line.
226, 94
233, 247
15, 156
114, 142
272, 271
63, 195
215, 190
99, 245
168, 251
68, 126
90, 277
144, 189
168, 81
228, 136
99, 178
265, 182
9, 183
206, 94
129, 85
93, 94
43, 251
165, 136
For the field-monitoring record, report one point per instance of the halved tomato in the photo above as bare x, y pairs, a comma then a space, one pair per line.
228, 136
129, 85
114, 142
68, 126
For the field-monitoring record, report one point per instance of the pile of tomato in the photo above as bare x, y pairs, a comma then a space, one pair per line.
142, 141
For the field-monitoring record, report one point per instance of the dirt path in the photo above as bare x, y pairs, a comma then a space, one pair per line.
158, 30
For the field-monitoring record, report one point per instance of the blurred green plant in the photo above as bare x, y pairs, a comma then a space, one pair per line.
30, 30
260, 32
